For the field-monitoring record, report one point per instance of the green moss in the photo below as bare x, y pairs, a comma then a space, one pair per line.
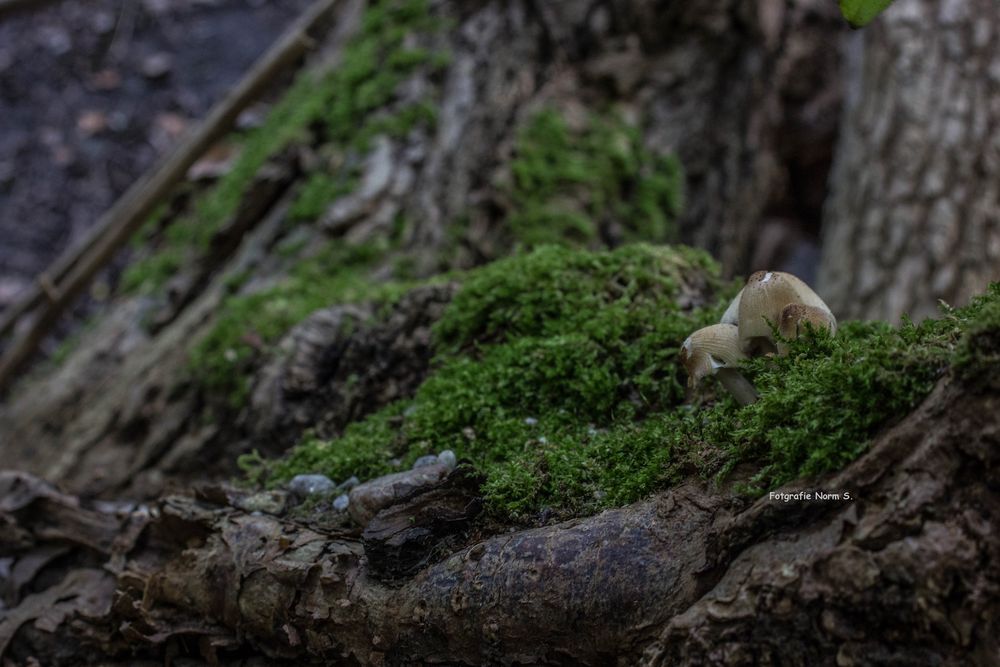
316, 194
860, 13
365, 448
567, 183
223, 362
977, 358
557, 376
189, 235
819, 409
153, 271
556, 290
397, 124
538, 352
349, 105
821, 405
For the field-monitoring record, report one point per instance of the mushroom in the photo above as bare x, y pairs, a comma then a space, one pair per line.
732, 314
767, 300
794, 319
715, 350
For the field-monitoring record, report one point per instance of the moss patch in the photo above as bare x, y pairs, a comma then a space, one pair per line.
316, 193
540, 354
568, 185
557, 375
347, 106
821, 405
191, 233
222, 362
977, 358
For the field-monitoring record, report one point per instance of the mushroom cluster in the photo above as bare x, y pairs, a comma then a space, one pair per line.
770, 300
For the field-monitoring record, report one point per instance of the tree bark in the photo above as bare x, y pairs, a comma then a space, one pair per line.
746, 95
914, 209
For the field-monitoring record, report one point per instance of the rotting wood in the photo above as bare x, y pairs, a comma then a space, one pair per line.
74, 269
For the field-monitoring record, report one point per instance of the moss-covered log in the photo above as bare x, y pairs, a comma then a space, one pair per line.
688, 577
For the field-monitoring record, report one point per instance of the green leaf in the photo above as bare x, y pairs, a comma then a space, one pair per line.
860, 13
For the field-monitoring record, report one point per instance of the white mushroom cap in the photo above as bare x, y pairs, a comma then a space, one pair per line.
715, 350
709, 349
762, 303
794, 319
732, 314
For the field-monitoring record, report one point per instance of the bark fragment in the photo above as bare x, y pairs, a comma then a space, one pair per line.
407, 535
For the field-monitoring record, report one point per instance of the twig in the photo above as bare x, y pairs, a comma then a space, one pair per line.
74, 270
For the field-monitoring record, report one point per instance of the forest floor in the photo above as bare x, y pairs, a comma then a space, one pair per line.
92, 93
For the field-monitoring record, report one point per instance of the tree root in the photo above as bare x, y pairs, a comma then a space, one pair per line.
899, 571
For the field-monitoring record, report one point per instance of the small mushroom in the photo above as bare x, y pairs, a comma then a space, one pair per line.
762, 304
795, 317
732, 314
715, 350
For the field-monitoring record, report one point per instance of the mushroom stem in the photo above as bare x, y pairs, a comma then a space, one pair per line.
737, 385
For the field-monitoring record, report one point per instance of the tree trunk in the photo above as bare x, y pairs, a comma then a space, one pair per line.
746, 95
914, 210
741, 94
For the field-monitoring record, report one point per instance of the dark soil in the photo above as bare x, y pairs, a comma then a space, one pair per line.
91, 93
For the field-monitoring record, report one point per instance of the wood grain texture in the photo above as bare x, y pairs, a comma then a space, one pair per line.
914, 212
